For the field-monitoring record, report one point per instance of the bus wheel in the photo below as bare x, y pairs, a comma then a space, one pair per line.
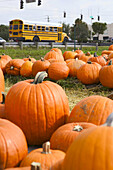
65, 40
36, 39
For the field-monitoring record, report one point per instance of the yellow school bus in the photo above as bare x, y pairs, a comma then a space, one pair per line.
21, 30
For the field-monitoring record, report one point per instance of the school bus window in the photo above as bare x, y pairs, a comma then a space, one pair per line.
20, 27
25, 27
55, 29
30, 27
15, 27
34, 27
38, 28
43, 28
47, 28
10, 27
50, 28
20, 22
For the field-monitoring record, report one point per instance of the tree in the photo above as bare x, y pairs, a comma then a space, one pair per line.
82, 32
66, 28
99, 28
4, 32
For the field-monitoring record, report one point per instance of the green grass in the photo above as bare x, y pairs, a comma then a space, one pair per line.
74, 89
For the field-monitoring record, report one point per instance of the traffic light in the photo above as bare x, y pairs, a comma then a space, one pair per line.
81, 17
39, 2
64, 14
98, 18
21, 4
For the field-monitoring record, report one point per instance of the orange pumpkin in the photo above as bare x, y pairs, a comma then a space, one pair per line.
4, 59
107, 52
89, 73
85, 57
53, 54
110, 56
91, 144
98, 59
38, 107
2, 107
105, 75
57, 50
29, 59
13, 145
49, 159
111, 47
13, 66
40, 65
73, 66
26, 69
2, 84
93, 109
66, 134
70, 55
58, 71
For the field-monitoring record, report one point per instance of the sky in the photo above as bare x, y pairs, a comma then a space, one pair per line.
54, 9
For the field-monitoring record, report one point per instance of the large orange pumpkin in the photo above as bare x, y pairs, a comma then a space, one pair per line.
98, 59
91, 150
93, 109
66, 134
13, 66
39, 108
69, 55
57, 50
89, 73
49, 159
2, 84
110, 47
13, 145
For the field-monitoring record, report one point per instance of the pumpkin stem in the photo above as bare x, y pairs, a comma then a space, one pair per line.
40, 77
3, 98
110, 63
78, 128
95, 54
104, 58
12, 68
3, 54
89, 62
42, 59
109, 121
36, 166
46, 148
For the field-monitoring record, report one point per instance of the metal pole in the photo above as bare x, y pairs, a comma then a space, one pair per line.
91, 28
74, 39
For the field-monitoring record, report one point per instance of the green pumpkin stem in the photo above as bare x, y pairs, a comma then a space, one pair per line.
40, 77
89, 62
46, 148
104, 58
110, 63
42, 59
3, 98
109, 121
95, 54
78, 128
35, 166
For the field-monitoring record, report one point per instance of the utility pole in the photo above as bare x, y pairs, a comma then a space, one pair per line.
91, 25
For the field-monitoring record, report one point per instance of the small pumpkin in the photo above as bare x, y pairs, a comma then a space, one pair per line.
53, 54
89, 73
98, 59
73, 66
4, 59
13, 66
58, 71
2, 84
29, 59
38, 107
13, 145
105, 75
57, 50
40, 65
63, 137
93, 109
111, 47
26, 69
49, 159
70, 55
